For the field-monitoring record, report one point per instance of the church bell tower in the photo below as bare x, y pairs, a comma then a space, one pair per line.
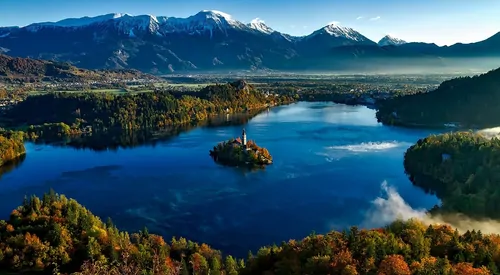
244, 138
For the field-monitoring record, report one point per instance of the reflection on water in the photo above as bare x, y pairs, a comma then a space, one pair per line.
11, 165
118, 139
329, 162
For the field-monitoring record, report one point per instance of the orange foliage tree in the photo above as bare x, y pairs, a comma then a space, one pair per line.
394, 265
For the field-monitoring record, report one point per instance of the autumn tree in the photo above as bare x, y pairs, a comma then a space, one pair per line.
468, 269
394, 265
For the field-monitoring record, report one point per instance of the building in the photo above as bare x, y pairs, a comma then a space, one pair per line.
241, 141
244, 138
237, 141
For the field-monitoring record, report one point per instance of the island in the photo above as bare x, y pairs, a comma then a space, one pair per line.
239, 152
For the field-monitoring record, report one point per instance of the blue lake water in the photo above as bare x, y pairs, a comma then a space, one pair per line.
330, 161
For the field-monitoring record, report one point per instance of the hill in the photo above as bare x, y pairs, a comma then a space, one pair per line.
215, 41
136, 111
32, 70
56, 232
465, 101
11, 147
461, 168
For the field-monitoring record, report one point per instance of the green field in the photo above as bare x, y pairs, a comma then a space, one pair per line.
111, 91
135, 88
187, 85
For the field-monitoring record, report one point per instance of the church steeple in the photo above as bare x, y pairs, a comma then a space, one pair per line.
244, 137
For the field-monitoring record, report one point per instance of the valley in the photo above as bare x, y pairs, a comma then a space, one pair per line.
159, 137
166, 181
128, 143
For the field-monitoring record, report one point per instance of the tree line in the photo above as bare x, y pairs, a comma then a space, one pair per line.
462, 168
468, 101
26, 70
138, 111
11, 146
56, 234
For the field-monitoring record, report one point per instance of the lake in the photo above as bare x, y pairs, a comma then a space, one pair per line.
330, 163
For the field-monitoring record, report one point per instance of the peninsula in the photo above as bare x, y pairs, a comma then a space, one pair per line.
236, 152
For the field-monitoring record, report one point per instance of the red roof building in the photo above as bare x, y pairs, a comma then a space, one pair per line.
237, 140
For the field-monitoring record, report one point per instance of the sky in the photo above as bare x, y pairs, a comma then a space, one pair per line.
443, 22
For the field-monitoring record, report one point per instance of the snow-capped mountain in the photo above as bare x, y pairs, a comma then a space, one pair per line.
203, 22
259, 25
389, 40
334, 35
208, 40
79, 22
206, 21
128, 24
5, 31
338, 31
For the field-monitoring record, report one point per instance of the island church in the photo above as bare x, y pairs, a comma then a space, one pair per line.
241, 141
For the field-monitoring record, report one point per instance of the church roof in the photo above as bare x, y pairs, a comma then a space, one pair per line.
237, 140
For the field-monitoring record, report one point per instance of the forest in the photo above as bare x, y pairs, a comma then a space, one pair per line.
27, 70
465, 101
11, 146
123, 139
462, 168
56, 234
102, 111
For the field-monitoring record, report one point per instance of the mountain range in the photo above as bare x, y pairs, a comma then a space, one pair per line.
16, 69
214, 41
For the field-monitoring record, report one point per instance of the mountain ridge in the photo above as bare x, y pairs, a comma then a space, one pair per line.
390, 40
16, 68
89, 20
214, 41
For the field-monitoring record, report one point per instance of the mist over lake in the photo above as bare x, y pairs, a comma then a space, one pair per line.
330, 161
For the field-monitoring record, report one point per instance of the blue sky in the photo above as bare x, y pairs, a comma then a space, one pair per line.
443, 22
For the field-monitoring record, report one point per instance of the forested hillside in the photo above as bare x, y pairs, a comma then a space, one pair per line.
34, 70
462, 169
11, 146
138, 111
57, 233
468, 101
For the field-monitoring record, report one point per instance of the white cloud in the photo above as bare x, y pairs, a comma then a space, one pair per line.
359, 18
334, 23
375, 18
257, 20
